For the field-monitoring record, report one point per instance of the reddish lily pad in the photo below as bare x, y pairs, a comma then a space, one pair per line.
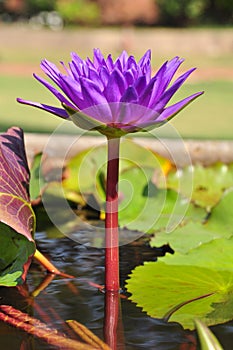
17, 218
15, 207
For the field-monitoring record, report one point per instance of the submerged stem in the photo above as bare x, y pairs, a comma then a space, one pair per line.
111, 218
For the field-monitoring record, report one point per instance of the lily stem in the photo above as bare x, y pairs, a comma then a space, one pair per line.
111, 218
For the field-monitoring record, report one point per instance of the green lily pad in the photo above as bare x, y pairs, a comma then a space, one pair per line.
146, 208
36, 180
193, 234
208, 183
86, 172
182, 287
216, 255
16, 252
181, 293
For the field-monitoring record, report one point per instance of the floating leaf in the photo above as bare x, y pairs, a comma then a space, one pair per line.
181, 293
193, 234
16, 252
208, 182
16, 215
182, 287
136, 193
36, 180
146, 208
216, 254
85, 173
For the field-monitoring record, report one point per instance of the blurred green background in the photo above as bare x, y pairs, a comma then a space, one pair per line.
200, 31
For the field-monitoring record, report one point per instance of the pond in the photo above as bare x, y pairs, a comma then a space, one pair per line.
203, 238
78, 299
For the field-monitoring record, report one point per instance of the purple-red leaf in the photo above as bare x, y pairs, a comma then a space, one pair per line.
15, 207
17, 219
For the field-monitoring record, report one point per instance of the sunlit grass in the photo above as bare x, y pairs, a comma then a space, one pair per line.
210, 116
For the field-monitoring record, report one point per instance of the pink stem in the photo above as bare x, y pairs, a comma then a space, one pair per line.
111, 218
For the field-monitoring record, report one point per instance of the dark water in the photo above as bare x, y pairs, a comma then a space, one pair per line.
76, 299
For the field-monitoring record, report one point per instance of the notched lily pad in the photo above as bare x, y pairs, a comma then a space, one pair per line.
147, 208
181, 293
182, 287
194, 233
86, 172
208, 183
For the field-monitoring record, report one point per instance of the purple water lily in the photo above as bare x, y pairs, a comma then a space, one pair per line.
114, 97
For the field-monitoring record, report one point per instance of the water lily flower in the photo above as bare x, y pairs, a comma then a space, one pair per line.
114, 97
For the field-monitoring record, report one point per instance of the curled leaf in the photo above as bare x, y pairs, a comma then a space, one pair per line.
17, 219
15, 207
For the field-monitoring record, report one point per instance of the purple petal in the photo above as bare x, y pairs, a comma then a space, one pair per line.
89, 63
130, 95
54, 91
76, 58
104, 75
115, 87
98, 59
171, 111
146, 93
146, 70
67, 70
129, 77
157, 88
51, 70
123, 58
165, 75
72, 89
173, 65
110, 63
118, 65
76, 69
99, 112
94, 76
146, 58
85, 70
92, 95
171, 91
140, 84
132, 64
60, 112
171, 68
131, 113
